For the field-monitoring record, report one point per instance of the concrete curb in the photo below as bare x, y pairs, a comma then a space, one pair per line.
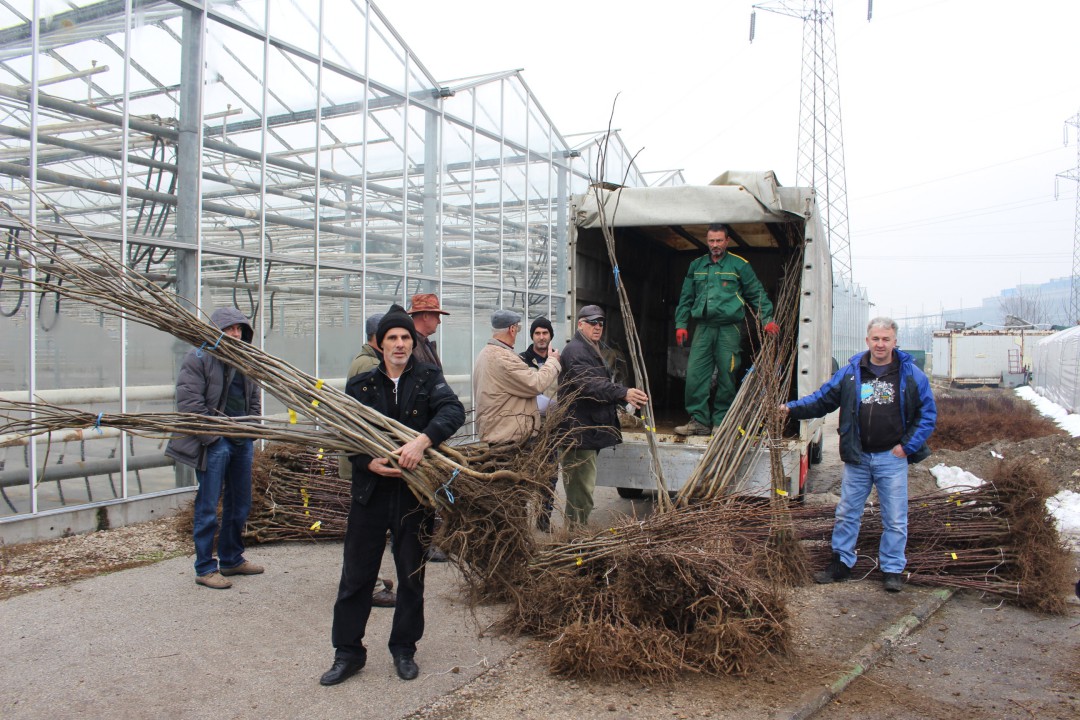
866, 658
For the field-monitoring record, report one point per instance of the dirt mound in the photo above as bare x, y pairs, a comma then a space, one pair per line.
968, 419
1060, 454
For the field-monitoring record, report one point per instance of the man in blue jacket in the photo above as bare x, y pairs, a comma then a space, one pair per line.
415, 394
887, 413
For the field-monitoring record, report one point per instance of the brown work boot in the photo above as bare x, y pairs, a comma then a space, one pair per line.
384, 598
693, 428
244, 568
213, 580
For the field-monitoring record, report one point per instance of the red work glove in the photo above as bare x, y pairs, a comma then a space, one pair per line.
681, 336
772, 328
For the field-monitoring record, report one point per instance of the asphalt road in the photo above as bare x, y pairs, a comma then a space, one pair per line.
149, 643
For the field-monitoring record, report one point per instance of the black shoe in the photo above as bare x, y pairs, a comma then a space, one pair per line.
434, 554
384, 598
341, 671
836, 571
894, 582
407, 669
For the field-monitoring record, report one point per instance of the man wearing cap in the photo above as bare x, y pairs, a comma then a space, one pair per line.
716, 292
542, 333
591, 422
505, 388
427, 315
415, 394
368, 359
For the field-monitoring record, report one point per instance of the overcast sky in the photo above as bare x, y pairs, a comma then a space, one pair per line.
953, 115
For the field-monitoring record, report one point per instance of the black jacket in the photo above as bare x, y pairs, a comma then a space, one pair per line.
592, 421
531, 358
202, 387
425, 404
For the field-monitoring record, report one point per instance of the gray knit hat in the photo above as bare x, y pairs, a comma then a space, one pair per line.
371, 326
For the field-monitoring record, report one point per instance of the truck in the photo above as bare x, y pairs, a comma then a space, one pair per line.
658, 232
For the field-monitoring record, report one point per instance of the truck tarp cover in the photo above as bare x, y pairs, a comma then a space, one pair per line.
734, 197
1056, 369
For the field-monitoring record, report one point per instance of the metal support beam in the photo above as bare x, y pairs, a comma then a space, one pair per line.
431, 192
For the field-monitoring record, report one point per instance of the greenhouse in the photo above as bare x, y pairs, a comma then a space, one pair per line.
295, 160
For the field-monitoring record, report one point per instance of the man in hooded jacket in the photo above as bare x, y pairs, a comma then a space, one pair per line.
207, 386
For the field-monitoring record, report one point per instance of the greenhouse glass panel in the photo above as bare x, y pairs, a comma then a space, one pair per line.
249, 13
344, 29
295, 22
386, 58
310, 178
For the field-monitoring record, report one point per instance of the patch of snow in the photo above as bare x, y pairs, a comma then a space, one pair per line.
1065, 509
1069, 422
954, 478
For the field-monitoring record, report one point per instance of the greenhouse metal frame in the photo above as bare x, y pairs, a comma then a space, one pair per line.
293, 159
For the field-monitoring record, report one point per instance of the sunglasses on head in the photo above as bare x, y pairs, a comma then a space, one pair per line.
599, 322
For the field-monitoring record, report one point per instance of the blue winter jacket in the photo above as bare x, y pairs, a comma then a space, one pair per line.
917, 408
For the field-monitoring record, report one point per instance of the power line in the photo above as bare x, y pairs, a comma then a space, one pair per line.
1074, 174
962, 173
957, 216
1025, 259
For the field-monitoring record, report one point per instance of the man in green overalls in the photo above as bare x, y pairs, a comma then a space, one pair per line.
716, 292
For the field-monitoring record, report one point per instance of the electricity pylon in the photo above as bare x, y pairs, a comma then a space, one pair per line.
821, 137
1074, 174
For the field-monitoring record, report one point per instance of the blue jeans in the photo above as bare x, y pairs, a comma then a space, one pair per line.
890, 474
228, 477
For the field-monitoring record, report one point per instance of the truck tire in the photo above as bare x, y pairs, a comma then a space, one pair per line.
815, 451
630, 493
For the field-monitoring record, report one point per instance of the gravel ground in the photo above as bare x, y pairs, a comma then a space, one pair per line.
31, 566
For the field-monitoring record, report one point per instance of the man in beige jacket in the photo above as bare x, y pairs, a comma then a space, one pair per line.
505, 388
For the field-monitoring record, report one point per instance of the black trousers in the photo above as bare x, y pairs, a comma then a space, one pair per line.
391, 507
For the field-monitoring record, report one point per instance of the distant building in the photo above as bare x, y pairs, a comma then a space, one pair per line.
1043, 305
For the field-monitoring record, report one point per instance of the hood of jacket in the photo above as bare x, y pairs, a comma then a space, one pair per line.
227, 316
